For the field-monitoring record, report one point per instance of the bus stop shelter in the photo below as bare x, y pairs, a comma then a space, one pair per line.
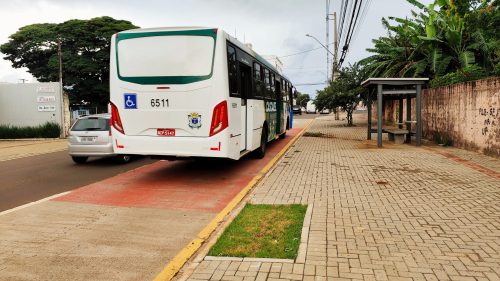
395, 89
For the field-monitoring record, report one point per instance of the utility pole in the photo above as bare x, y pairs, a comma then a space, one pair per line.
327, 40
61, 99
335, 48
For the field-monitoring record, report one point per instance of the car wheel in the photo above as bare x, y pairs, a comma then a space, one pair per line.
124, 158
261, 151
79, 159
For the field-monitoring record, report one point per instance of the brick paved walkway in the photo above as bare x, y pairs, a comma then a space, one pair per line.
15, 149
396, 213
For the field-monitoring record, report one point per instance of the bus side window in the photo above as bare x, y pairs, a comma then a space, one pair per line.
285, 92
257, 77
232, 68
282, 87
267, 77
273, 86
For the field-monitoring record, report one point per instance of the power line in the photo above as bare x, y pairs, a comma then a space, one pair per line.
353, 26
294, 68
300, 53
311, 84
366, 7
347, 5
355, 22
306, 51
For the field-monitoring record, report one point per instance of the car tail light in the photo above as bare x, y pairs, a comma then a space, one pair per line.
115, 120
219, 118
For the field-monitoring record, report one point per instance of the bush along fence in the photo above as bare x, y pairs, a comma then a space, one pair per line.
47, 130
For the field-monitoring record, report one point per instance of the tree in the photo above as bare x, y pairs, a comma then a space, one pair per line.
445, 36
344, 92
302, 99
85, 47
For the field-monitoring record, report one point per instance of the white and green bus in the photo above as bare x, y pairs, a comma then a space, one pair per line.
193, 92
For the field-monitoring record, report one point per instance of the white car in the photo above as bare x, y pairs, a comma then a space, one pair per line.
325, 111
90, 136
311, 107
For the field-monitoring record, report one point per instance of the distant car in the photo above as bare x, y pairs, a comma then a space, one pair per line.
297, 109
90, 136
325, 111
310, 108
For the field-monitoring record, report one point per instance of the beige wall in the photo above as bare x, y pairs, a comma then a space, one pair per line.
467, 113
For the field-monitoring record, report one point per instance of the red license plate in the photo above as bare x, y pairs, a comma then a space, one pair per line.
165, 132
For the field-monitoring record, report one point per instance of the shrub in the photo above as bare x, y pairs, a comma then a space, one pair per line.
47, 130
469, 73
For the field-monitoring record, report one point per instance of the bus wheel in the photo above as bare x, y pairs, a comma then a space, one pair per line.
282, 136
261, 151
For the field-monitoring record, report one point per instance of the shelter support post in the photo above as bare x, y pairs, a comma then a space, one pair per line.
379, 115
419, 115
408, 119
400, 113
369, 105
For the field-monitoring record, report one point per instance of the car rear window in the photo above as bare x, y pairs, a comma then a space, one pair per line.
91, 124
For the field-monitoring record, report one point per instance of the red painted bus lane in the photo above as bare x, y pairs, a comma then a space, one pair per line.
205, 185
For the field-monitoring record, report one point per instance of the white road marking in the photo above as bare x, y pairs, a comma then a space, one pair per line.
33, 203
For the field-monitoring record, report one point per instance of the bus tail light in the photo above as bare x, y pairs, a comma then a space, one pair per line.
219, 118
116, 122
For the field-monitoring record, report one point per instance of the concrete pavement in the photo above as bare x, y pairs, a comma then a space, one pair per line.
396, 213
15, 149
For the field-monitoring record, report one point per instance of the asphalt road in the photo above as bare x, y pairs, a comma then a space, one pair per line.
32, 178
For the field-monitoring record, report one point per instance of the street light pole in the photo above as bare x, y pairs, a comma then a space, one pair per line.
328, 64
335, 45
327, 39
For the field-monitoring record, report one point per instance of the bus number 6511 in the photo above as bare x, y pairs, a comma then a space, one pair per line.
159, 102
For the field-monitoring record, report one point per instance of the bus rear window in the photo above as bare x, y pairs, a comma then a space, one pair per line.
91, 124
160, 56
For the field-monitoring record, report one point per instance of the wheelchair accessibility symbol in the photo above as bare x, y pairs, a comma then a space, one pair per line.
130, 101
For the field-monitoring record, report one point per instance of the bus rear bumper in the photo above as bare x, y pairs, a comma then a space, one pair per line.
182, 147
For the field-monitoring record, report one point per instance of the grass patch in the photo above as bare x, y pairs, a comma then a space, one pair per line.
47, 130
263, 231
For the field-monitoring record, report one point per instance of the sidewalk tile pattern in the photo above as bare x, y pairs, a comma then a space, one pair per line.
396, 213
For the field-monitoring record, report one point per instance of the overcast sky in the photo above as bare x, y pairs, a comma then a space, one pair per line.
274, 27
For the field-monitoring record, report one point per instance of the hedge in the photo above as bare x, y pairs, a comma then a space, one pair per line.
47, 130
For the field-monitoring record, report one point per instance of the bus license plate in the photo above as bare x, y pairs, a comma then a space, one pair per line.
165, 132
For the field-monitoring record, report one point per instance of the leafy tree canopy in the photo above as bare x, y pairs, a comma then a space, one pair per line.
345, 92
302, 99
85, 47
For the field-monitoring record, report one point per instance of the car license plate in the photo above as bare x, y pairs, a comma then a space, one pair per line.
87, 139
165, 132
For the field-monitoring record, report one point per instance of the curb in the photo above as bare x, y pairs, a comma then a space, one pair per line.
173, 267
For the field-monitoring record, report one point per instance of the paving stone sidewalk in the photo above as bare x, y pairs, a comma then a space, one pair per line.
15, 149
396, 213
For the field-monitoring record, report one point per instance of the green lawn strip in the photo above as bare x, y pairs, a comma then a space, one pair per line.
263, 231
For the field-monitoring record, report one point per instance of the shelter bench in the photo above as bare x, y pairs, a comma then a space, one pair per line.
396, 135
